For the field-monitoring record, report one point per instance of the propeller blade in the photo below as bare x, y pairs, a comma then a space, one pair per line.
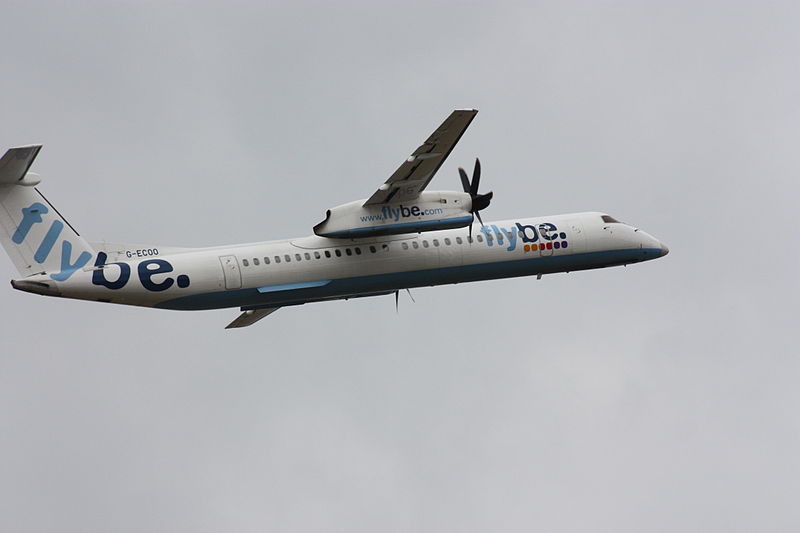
464, 179
482, 201
479, 201
476, 178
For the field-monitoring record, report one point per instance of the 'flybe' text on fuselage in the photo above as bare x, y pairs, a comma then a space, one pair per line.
146, 270
545, 235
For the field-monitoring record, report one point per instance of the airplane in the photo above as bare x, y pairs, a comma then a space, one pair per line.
401, 237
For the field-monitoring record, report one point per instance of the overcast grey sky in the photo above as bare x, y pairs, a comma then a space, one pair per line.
658, 397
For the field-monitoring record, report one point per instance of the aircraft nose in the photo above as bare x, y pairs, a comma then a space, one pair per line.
652, 247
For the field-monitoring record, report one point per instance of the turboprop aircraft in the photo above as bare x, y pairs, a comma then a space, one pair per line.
401, 237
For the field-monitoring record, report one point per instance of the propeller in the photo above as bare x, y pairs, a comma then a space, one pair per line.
479, 201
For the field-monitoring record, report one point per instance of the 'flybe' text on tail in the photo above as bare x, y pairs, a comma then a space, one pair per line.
34, 234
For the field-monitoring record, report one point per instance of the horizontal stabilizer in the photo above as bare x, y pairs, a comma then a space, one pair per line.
16, 162
250, 317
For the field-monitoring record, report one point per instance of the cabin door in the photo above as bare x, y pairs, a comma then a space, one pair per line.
230, 269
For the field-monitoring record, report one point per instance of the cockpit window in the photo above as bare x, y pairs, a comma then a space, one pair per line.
609, 219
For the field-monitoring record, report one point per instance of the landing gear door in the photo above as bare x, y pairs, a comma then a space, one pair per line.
230, 269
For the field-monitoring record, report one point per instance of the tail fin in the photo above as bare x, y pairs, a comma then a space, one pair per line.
32, 231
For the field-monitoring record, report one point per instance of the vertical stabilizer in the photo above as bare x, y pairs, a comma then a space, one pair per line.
32, 231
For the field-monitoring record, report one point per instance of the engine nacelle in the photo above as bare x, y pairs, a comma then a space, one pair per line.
429, 212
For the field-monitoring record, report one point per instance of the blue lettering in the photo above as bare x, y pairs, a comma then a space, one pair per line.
146, 274
546, 229
529, 233
30, 216
488, 235
99, 274
498, 234
401, 211
68, 269
49, 241
512, 239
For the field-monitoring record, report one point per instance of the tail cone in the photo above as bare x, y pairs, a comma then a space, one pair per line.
46, 288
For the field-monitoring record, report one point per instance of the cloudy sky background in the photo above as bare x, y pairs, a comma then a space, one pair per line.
658, 397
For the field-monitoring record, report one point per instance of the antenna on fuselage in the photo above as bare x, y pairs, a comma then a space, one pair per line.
397, 299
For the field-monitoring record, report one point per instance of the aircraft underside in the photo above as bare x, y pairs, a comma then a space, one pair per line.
379, 284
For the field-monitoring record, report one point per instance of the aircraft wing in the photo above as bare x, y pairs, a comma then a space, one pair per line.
417, 171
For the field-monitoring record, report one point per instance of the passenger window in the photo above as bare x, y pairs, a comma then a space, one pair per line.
488, 238
287, 258
308, 256
338, 252
348, 251
405, 246
327, 253
436, 242
372, 249
245, 263
425, 244
277, 259
447, 241
266, 260
385, 247
358, 250
459, 241
298, 257
415, 244
316, 255
479, 237
255, 261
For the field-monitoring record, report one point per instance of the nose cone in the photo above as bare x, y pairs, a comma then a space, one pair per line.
651, 248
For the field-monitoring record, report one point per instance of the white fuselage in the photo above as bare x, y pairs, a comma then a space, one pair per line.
308, 269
